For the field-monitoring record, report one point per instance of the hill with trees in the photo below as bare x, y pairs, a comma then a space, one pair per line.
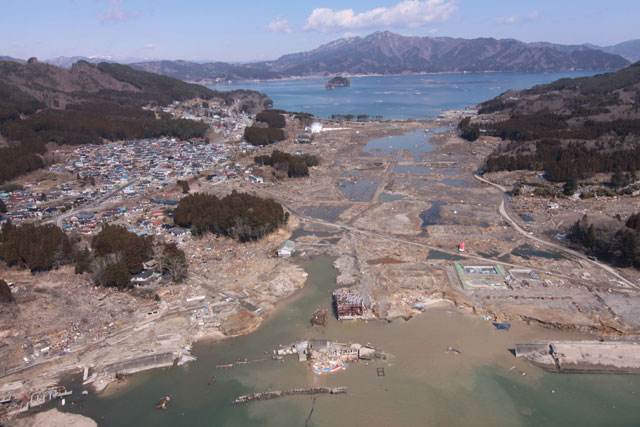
273, 118
609, 241
337, 81
238, 215
91, 103
570, 129
263, 136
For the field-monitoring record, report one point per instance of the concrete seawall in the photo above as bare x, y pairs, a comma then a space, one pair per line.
583, 356
131, 366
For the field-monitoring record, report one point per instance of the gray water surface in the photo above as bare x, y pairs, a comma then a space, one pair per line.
423, 383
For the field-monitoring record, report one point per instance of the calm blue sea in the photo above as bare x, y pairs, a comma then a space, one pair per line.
396, 97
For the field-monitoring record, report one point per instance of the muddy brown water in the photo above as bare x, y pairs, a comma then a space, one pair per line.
424, 384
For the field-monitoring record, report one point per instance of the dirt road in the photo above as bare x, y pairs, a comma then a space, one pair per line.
503, 212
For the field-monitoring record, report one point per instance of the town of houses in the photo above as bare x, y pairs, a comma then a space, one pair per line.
114, 181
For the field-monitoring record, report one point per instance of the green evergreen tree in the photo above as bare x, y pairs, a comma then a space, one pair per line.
570, 186
117, 275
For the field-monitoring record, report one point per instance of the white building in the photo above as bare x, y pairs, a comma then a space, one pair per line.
286, 249
316, 127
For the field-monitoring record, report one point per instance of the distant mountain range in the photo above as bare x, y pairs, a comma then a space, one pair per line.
12, 59
388, 53
629, 50
209, 72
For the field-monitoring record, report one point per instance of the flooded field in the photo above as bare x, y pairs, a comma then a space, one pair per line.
415, 142
527, 251
324, 212
432, 215
359, 189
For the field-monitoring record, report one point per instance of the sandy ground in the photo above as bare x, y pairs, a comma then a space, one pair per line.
53, 418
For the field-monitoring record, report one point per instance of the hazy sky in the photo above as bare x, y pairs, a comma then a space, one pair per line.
242, 30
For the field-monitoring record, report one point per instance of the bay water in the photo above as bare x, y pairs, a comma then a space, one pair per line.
396, 97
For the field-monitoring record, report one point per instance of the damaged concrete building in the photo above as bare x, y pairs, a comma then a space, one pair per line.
349, 303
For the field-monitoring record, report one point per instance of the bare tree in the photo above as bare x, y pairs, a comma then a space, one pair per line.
59, 256
99, 265
176, 268
241, 229
172, 262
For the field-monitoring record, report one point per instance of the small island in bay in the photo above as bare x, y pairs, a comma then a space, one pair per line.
338, 81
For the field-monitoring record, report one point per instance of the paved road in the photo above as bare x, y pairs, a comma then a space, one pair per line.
505, 215
59, 219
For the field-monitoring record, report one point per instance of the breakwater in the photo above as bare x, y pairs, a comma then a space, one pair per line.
583, 356
294, 392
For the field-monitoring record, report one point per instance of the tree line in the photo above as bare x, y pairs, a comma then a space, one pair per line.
564, 161
238, 215
263, 136
116, 254
113, 239
275, 121
350, 117
273, 118
610, 242
294, 166
36, 247
5, 292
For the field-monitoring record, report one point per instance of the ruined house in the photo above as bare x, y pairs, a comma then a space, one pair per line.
349, 303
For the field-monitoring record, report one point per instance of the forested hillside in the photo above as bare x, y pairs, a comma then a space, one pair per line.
570, 129
90, 103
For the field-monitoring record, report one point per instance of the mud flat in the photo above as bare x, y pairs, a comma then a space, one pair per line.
583, 356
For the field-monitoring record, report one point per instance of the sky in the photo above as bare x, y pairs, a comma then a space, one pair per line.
242, 30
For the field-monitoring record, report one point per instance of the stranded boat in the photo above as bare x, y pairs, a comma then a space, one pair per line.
163, 403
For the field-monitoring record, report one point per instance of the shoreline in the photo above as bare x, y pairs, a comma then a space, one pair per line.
325, 76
